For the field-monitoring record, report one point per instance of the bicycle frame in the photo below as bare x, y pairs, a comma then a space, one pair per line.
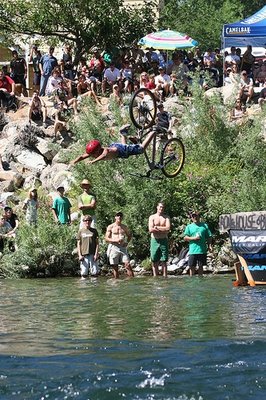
151, 162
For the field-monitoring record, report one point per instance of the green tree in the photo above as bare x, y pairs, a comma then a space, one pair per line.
201, 19
106, 23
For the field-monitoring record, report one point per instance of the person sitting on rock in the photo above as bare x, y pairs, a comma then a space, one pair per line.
53, 82
246, 87
262, 96
238, 112
61, 95
7, 91
110, 77
162, 82
37, 110
84, 89
114, 150
61, 116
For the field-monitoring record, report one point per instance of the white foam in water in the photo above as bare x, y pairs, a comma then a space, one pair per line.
152, 382
181, 397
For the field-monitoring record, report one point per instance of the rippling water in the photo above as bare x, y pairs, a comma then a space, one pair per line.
142, 338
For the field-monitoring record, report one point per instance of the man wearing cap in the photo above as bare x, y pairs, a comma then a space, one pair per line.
198, 235
118, 236
88, 248
87, 202
163, 117
61, 207
159, 227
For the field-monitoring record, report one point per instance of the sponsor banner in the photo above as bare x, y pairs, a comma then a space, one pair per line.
251, 245
248, 242
245, 220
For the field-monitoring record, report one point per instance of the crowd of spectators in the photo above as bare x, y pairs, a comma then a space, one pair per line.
117, 75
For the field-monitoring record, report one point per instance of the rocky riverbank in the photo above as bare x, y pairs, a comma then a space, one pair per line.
31, 157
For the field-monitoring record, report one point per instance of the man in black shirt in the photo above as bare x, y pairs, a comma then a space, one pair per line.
18, 69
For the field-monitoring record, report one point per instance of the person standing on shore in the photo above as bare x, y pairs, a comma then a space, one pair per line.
88, 248
87, 202
61, 208
31, 206
159, 227
118, 236
199, 237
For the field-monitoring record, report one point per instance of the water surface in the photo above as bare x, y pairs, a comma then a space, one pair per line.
143, 338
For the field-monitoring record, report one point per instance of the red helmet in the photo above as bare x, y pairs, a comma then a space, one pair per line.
92, 146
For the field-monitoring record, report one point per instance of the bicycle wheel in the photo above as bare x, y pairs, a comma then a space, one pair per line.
143, 109
172, 157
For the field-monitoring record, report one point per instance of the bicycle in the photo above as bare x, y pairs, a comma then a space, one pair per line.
170, 160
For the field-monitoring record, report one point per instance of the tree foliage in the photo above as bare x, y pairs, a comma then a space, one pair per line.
106, 23
203, 20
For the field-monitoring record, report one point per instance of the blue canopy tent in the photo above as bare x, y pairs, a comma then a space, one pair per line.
249, 31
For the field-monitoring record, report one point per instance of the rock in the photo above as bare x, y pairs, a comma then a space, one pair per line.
31, 160
55, 175
62, 156
46, 149
8, 175
172, 268
11, 130
31, 181
7, 197
74, 216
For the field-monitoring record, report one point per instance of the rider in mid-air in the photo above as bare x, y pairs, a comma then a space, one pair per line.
114, 150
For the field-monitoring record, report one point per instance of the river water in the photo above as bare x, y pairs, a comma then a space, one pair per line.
178, 338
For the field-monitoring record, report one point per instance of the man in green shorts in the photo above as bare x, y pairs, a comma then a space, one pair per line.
159, 227
199, 237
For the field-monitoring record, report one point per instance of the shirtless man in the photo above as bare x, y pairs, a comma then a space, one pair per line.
118, 236
159, 227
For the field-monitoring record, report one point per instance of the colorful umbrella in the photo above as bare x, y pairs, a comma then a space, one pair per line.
167, 40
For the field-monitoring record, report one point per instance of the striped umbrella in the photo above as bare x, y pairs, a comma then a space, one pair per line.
167, 40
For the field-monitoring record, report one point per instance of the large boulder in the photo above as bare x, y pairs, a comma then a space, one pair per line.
16, 178
46, 149
56, 175
30, 159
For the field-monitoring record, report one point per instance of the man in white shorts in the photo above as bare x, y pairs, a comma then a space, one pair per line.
118, 236
88, 248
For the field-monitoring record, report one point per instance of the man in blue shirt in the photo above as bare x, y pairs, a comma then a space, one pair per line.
47, 63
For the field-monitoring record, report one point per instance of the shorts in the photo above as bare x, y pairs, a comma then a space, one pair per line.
37, 116
117, 255
127, 150
194, 259
88, 264
159, 250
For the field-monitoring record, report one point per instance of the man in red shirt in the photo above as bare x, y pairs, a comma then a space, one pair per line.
7, 90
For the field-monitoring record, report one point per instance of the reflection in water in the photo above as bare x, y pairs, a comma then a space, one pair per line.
137, 339
38, 315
